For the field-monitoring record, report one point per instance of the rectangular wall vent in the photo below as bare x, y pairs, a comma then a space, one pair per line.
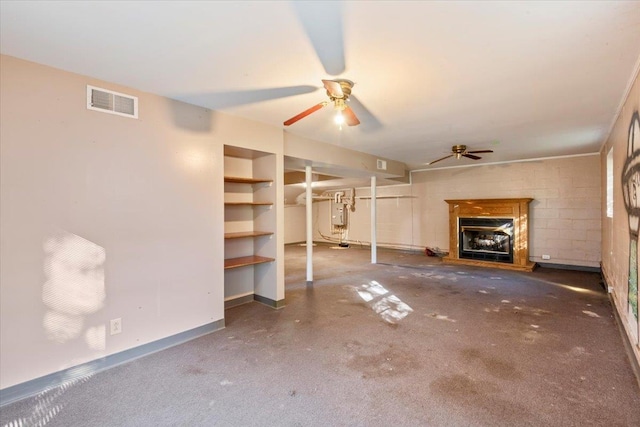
382, 165
112, 102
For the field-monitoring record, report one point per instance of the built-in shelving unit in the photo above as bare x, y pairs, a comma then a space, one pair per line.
245, 261
242, 180
243, 234
250, 226
248, 203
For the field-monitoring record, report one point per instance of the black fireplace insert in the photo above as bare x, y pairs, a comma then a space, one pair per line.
486, 239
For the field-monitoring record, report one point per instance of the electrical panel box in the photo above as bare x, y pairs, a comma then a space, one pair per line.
338, 214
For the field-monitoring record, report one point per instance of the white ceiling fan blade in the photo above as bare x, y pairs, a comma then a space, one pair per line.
233, 98
369, 121
322, 22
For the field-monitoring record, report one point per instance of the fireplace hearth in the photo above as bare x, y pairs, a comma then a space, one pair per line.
490, 232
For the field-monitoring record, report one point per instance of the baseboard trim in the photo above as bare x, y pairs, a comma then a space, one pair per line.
267, 301
244, 299
76, 373
628, 345
569, 267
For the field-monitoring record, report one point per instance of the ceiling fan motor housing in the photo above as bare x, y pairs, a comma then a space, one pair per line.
459, 149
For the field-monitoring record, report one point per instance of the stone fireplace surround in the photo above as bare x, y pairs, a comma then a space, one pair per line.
498, 246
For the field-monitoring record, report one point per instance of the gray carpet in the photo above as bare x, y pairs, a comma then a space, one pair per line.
407, 342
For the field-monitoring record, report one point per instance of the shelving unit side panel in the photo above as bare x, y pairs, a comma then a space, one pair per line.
265, 218
266, 276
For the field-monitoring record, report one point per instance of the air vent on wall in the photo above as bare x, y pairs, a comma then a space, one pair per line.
112, 102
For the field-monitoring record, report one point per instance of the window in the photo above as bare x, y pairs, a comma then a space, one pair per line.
610, 183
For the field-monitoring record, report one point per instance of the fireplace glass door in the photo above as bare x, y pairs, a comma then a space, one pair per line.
488, 239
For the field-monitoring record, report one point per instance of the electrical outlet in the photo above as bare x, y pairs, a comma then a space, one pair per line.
116, 326
546, 256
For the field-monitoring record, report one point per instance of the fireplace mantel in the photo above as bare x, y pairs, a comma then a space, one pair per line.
515, 209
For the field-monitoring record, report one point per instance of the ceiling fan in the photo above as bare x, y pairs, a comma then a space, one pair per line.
322, 23
461, 151
338, 92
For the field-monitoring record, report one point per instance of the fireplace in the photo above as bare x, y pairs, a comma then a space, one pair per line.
490, 232
489, 239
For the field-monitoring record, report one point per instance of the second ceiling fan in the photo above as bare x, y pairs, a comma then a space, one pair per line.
338, 92
461, 151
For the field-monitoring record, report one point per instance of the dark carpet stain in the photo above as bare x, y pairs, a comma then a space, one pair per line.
497, 367
390, 362
461, 387
480, 398
193, 370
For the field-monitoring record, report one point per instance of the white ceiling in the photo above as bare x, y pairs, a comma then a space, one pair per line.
526, 79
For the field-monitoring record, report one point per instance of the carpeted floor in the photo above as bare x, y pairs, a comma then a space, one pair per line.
407, 342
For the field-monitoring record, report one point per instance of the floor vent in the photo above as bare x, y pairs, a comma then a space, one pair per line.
112, 102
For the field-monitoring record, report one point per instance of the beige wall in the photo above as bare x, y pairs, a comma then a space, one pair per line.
106, 217
565, 213
295, 224
616, 230
335, 160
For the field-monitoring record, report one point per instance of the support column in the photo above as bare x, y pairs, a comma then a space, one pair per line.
374, 208
309, 211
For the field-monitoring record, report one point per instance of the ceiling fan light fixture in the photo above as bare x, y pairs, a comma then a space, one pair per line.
339, 118
338, 92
